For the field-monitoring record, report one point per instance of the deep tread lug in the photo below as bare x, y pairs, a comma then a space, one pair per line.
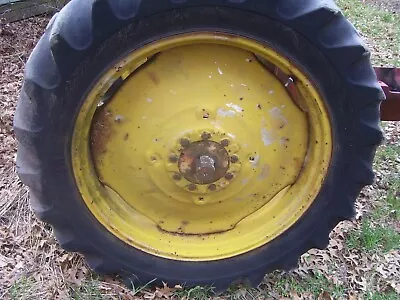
290, 264
126, 9
320, 240
69, 241
293, 9
254, 280
73, 25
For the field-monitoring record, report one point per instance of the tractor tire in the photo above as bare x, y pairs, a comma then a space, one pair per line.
314, 52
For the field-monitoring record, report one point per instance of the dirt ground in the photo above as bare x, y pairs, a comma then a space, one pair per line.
30, 258
392, 5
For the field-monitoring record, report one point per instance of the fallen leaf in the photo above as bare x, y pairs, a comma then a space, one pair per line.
324, 296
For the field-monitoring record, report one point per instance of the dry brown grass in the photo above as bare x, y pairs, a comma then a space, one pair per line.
33, 266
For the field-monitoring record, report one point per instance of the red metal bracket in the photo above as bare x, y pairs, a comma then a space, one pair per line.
389, 79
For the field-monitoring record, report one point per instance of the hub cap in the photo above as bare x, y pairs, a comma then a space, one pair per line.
214, 147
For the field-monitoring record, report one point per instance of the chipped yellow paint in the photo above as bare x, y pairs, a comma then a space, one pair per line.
188, 85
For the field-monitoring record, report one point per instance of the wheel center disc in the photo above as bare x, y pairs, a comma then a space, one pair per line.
203, 162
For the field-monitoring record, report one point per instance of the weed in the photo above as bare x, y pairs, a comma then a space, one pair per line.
311, 284
195, 293
89, 290
22, 289
373, 237
382, 296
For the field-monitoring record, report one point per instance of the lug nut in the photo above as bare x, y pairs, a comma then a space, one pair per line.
173, 158
177, 176
184, 142
205, 136
234, 159
212, 187
229, 176
192, 187
225, 142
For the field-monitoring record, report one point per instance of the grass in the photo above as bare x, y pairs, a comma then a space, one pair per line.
196, 293
372, 237
312, 285
23, 289
380, 27
286, 285
377, 231
382, 296
89, 290
389, 152
389, 206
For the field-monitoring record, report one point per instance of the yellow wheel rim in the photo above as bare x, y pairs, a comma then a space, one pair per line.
229, 98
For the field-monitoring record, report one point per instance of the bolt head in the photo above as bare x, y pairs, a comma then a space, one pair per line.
234, 159
192, 187
212, 187
173, 158
229, 176
177, 176
184, 142
225, 142
205, 136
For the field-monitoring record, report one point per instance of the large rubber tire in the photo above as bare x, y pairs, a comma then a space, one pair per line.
84, 39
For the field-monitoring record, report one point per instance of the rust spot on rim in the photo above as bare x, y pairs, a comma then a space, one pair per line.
179, 231
101, 131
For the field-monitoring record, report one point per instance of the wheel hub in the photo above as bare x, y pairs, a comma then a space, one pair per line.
203, 162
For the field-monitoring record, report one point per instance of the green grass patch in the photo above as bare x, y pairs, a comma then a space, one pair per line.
88, 290
389, 152
313, 284
22, 289
373, 237
389, 208
382, 296
380, 27
393, 204
196, 293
